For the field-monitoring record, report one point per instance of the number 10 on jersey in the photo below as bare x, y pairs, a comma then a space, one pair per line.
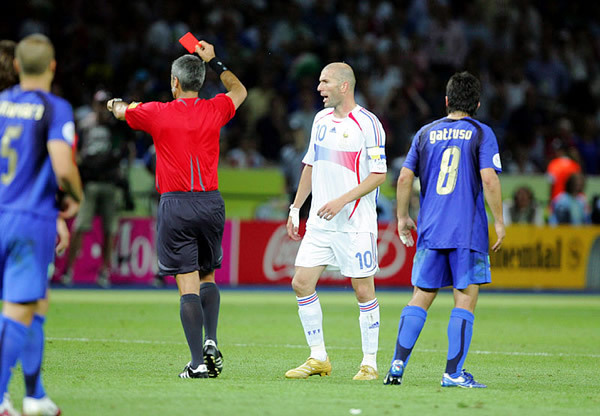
365, 259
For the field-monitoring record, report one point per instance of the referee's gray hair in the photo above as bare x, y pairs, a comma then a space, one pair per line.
190, 71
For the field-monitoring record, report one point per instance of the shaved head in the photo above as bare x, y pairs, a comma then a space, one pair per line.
34, 54
336, 86
342, 72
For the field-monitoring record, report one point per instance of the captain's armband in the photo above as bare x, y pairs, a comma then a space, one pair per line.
376, 152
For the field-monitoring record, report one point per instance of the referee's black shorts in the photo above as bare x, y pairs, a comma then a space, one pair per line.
189, 232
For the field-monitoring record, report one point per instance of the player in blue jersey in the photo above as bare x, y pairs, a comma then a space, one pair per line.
35, 401
37, 131
456, 159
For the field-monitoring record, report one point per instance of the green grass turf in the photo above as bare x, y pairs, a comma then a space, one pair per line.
119, 353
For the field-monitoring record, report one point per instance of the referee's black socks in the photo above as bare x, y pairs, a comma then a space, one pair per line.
211, 301
190, 311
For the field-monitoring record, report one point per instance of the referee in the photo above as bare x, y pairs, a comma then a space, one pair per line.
191, 211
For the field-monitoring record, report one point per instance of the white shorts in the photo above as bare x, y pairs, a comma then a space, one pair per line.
354, 254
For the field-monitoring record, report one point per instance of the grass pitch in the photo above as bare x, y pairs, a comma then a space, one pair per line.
119, 353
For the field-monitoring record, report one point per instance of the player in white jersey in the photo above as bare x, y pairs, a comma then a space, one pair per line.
344, 166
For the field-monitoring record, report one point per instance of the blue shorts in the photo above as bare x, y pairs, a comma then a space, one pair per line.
457, 267
26, 256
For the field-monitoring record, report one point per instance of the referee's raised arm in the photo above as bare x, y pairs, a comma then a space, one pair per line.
235, 89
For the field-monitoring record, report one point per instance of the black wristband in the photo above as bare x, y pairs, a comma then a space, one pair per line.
217, 66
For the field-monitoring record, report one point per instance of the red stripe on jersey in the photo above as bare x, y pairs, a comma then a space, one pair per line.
357, 165
355, 120
328, 114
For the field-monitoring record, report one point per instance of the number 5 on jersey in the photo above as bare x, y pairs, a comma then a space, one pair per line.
11, 133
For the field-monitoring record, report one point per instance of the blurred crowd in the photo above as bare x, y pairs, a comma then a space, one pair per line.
539, 62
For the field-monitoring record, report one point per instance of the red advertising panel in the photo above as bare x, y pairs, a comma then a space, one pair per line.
267, 254
134, 256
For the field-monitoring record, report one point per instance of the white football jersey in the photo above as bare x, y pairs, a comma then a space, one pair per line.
342, 153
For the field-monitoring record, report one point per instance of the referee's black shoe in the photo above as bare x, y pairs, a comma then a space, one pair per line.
213, 358
198, 372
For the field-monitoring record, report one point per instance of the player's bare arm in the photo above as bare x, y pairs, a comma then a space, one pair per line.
235, 89
67, 174
63, 235
333, 207
403, 191
493, 196
304, 190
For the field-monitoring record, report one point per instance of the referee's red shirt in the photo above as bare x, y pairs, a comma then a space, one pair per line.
186, 137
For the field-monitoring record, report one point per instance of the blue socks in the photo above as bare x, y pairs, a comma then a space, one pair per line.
13, 336
31, 358
460, 331
411, 323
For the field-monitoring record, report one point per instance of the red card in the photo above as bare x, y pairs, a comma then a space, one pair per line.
189, 42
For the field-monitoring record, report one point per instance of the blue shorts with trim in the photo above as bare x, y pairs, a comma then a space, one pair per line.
26, 256
457, 267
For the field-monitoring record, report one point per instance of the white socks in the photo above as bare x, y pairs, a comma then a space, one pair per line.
311, 316
369, 331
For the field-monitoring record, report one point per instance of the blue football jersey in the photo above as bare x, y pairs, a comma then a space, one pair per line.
447, 156
28, 120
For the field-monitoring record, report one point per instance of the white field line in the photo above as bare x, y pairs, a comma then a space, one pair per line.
150, 342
